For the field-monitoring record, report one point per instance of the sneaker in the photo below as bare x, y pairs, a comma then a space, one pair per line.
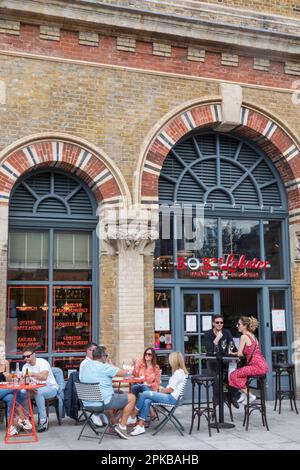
12, 431
252, 398
97, 420
242, 397
138, 430
122, 432
25, 424
43, 426
104, 418
131, 420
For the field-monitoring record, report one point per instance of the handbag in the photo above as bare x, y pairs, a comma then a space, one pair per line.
243, 361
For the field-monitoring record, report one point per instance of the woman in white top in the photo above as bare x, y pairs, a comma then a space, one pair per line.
168, 395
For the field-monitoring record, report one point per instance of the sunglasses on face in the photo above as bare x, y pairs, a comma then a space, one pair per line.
27, 356
148, 354
219, 322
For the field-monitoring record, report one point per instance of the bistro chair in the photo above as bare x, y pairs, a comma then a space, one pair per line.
200, 407
91, 393
56, 402
290, 393
259, 404
168, 411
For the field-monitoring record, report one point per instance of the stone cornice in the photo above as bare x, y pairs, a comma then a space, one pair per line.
209, 24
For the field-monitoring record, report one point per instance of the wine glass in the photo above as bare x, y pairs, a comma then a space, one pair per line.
231, 346
223, 345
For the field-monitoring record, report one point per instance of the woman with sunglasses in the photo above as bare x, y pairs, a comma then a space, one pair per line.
148, 369
256, 363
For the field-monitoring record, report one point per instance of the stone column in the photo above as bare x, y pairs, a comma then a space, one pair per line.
3, 267
131, 241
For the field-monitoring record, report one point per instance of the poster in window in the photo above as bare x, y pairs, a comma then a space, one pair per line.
206, 322
162, 319
72, 318
278, 320
191, 323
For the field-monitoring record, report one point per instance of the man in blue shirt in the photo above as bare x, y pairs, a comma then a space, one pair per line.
98, 371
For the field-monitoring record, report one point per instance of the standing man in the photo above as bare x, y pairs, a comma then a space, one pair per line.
213, 341
40, 370
99, 371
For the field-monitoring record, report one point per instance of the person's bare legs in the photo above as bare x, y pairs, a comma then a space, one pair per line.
128, 409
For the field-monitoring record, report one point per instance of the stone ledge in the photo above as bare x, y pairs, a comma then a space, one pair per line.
231, 60
261, 64
126, 43
197, 54
160, 49
10, 27
51, 33
87, 38
292, 68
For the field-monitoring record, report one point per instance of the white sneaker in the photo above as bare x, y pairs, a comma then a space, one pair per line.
131, 420
25, 424
97, 420
12, 431
138, 430
104, 418
252, 398
242, 397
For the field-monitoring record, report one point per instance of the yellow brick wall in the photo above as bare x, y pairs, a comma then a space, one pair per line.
279, 7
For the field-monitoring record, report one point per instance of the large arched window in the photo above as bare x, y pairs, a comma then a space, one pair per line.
52, 273
242, 195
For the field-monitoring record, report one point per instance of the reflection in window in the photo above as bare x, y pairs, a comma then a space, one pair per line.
190, 302
72, 256
241, 237
163, 265
273, 248
27, 255
202, 242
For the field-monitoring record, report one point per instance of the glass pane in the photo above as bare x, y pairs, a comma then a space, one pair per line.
28, 255
280, 356
207, 302
191, 344
190, 302
241, 237
72, 256
67, 364
72, 318
273, 249
163, 362
162, 308
278, 312
27, 321
163, 263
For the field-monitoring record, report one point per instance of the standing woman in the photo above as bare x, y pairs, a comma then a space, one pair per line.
147, 368
168, 395
256, 363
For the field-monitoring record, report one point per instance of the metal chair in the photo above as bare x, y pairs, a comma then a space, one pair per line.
168, 412
91, 393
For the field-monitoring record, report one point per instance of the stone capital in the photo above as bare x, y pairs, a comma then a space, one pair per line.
135, 237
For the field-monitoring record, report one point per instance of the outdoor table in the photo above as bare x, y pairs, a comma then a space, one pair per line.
28, 414
220, 360
128, 380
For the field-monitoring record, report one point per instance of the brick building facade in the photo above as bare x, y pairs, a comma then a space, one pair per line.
105, 89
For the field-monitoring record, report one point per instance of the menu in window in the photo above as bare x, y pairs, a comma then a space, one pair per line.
278, 320
72, 314
162, 319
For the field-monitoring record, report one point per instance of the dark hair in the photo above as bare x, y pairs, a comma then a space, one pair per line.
90, 345
98, 353
29, 348
217, 316
153, 360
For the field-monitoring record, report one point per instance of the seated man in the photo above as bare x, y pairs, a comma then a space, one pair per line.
98, 371
40, 370
89, 354
213, 339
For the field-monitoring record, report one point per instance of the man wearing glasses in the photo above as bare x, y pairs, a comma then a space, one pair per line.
40, 370
215, 338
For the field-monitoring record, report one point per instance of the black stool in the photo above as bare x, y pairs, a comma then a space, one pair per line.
203, 408
280, 394
259, 404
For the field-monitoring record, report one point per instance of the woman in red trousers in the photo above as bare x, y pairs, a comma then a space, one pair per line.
256, 363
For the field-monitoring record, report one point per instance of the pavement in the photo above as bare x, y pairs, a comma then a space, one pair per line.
284, 434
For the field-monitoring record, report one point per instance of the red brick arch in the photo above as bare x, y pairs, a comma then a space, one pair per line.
269, 135
92, 168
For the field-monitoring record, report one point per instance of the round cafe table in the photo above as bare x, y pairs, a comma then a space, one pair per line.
128, 380
26, 436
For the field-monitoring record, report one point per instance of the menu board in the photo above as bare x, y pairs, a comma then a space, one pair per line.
72, 318
27, 318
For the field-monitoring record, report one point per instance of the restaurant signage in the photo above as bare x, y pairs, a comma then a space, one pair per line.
231, 266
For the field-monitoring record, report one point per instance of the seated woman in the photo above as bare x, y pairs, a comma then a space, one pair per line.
168, 395
256, 363
147, 368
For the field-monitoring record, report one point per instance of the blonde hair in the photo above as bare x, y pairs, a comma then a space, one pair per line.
176, 362
251, 323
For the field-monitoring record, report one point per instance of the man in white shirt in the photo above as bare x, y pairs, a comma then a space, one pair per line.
89, 354
39, 370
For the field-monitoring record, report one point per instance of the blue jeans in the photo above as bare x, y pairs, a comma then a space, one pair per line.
40, 395
146, 399
7, 396
136, 389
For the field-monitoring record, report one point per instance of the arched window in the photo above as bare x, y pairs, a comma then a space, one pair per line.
52, 267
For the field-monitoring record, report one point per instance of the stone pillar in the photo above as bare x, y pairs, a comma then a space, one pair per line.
132, 242
3, 267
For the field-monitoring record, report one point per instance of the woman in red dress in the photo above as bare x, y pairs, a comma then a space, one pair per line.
256, 363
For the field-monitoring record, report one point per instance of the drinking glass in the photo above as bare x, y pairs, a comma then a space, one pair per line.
223, 345
231, 346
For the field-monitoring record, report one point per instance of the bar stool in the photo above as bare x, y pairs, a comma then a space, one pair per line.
290, 393
259, 404
203, 408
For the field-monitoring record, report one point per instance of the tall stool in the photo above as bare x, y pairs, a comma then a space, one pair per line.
259, 404
290, 393
202, 408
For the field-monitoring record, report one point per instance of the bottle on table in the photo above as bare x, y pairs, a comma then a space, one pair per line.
18, 373
26, 378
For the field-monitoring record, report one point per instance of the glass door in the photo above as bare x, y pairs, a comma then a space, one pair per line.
198, 310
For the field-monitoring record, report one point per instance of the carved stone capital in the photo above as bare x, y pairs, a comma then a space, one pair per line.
295, 242
128, 237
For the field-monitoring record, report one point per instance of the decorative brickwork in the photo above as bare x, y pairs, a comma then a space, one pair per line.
88, 38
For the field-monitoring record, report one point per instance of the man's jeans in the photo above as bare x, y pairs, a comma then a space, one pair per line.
40, 395
146, 399
7, 396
